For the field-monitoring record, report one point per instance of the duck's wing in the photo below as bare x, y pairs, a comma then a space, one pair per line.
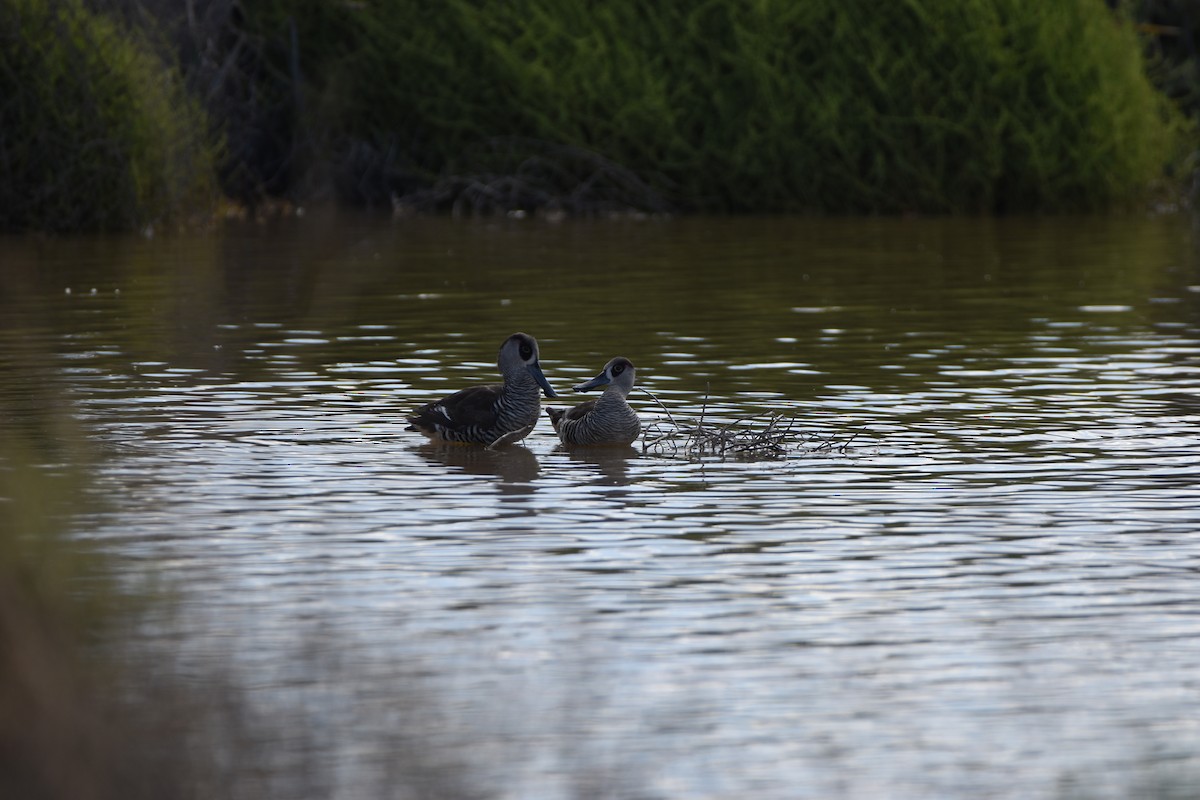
572, 415
474, 406
580, 411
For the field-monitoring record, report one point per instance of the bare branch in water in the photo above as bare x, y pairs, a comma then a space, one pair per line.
770, 435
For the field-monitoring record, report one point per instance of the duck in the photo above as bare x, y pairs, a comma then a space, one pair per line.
494, 414
607, 420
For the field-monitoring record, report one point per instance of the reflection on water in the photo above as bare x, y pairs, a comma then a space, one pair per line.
514, 466
991, 593
609, 464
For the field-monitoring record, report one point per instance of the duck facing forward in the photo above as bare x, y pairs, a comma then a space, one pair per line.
495, 414
606, 420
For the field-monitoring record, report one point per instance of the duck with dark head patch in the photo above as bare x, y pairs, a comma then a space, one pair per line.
607, 420
495, 414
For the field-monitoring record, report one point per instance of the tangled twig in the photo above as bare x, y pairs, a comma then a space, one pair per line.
770, 435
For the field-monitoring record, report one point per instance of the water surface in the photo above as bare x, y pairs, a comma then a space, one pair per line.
989, 592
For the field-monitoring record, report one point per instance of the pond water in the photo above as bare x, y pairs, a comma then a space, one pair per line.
974, 575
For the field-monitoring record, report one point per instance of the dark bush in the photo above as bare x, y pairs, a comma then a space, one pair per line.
96, 133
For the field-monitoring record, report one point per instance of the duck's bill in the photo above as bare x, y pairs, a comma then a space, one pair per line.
596, 382
535, 369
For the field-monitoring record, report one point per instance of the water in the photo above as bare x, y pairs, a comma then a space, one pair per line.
985, 586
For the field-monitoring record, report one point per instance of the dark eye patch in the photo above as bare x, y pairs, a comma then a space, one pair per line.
618, 369
526, 351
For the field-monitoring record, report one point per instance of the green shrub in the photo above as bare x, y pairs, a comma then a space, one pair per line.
96, 132
734, 105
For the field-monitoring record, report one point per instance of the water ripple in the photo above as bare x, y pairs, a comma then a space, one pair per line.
989, 593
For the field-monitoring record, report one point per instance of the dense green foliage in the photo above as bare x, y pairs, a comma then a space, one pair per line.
95, 132
735, 105
843, 106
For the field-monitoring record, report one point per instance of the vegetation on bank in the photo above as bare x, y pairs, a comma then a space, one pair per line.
978, 106
826, 105
96, 131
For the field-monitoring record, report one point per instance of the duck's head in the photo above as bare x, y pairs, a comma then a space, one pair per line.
520, 352
619, 372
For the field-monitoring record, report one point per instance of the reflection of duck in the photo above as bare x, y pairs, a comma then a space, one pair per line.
607, 420
613, 462
509, 464
495, 414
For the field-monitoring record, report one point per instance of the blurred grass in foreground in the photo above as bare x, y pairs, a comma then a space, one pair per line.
93, 708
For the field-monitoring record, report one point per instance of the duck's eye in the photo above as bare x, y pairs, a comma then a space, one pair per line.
618, 369
526, 351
